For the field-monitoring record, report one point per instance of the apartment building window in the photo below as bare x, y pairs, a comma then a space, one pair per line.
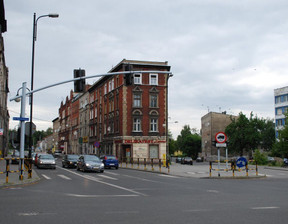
138, 78
111, 85
280, 122
278, 111
137, 125
137, 100
91, 131
95, 112
91, 114
105, 88
154, 125
153, 79
153, 101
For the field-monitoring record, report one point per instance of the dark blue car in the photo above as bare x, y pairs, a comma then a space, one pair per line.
110, 161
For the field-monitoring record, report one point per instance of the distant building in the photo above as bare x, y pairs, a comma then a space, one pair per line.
211, 124
281, 105
56, 129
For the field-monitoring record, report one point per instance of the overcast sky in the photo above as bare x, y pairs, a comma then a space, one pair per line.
225, 55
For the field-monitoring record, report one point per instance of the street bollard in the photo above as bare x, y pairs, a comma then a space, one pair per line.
7, 170
131, 161
210, 169
160, 165
256, 168
246, 170
138, 163
21, 170
152, 164
233, 168
145, 164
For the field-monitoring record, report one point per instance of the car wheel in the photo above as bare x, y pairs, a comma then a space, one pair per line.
101, 171
116, 167
63, 165
78, 168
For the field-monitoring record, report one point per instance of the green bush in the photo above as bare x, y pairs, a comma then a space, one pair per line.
261, 158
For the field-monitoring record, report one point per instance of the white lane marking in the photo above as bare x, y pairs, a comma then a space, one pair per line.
28, 213
102, 182
164, 175
197, 210
262, 208
107, 177
46, 177
115, 174
64, 177
101, 196
212, 191
122, 212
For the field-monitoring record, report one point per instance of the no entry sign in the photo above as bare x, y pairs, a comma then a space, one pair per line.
221, 137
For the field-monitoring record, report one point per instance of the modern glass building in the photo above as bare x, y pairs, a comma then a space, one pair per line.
281, 105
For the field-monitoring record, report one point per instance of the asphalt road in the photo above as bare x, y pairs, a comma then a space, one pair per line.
131, 196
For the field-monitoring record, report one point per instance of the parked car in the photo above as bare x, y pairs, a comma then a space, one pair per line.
57, 153
90, 163
187, 160
285, 161
46, 161
199, 159
70, 161
178, 159
15, 157
110, 161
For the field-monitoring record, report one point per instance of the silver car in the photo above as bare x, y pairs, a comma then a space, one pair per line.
90, 163
46, 161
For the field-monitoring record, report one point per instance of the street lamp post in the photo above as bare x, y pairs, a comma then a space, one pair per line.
32, 74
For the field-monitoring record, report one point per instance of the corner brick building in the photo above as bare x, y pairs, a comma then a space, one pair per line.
127, 116
130, 120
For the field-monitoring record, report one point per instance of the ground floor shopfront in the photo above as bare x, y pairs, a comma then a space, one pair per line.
131, 147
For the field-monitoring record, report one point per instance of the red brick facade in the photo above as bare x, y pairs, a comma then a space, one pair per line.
126, 120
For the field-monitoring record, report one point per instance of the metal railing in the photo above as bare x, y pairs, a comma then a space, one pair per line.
146, 164
233, 168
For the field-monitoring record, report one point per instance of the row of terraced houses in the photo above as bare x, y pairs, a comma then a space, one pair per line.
113, 117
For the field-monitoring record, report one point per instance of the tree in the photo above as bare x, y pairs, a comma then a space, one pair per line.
189, 142
246, 135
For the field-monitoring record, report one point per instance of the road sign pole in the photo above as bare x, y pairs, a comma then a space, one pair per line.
22, 125
218, 162
226, 159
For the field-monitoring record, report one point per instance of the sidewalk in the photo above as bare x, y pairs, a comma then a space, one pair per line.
13, 178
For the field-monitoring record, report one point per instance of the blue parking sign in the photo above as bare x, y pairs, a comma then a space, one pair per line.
241, 162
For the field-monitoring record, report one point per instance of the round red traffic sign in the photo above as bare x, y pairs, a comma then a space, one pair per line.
221, 137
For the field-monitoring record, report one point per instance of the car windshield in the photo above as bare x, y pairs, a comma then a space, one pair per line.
73, 157
92, 158
46, 157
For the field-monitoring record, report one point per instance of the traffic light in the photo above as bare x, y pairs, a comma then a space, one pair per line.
79, 85
129, 76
